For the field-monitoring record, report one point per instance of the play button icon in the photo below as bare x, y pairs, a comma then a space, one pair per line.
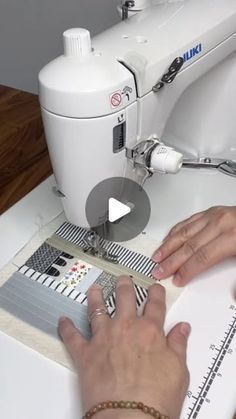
117, 210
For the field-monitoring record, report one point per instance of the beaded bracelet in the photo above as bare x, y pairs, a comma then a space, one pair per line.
124, 405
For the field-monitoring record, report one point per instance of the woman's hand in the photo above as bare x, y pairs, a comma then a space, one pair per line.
196, 244
129, 357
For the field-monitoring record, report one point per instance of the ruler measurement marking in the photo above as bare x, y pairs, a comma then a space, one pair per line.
210, 376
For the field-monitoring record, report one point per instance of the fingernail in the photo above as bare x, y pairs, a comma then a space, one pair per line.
158, 272
95, 287
62, 319
156, 256
185, 329
123, 280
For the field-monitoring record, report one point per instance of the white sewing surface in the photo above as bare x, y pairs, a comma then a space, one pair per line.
33, 387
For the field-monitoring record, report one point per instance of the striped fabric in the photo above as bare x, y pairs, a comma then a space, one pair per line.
126, 257
141, 296
41, 307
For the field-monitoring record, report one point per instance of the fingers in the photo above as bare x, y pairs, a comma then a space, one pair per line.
197, 244
176, 259
155, 307
72, 338
97, 309
183, 223
125, 298
205, 257
177, 339
176, 240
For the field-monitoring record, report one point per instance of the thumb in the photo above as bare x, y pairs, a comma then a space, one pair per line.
72, 338
177, 339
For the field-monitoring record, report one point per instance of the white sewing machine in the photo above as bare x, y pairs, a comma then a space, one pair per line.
166, 74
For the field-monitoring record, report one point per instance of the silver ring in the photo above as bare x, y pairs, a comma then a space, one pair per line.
98, 312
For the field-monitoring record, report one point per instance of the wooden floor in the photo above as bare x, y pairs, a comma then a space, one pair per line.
24, 159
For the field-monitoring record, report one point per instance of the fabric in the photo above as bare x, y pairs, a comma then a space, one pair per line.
33, 303
54, 281
63, 272
41, 307
126, 257
76, 278
43, 258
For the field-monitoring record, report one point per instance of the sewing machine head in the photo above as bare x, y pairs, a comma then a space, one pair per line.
168, 75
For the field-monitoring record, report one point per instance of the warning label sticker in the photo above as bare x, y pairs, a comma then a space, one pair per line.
115, 99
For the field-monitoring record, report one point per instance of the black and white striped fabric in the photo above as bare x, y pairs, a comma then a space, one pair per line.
126, 257
141, 297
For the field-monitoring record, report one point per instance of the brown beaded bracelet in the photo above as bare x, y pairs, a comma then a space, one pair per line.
124, 404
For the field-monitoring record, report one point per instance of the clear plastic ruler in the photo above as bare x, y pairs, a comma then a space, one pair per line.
209, 305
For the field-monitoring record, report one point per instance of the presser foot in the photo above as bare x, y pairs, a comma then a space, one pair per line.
94, 248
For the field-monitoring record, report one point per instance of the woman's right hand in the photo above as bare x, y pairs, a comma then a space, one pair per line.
129, 357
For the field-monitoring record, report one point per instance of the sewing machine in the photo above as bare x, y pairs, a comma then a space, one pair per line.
153, 94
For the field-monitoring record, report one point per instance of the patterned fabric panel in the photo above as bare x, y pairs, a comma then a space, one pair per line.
54, 284
71, 277
48, 259
126, 257
78, 291
108, 284
43, 258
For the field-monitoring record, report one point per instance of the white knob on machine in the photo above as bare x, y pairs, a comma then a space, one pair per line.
165, 159
77, 42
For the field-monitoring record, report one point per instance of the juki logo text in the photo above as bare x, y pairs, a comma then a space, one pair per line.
192, 52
